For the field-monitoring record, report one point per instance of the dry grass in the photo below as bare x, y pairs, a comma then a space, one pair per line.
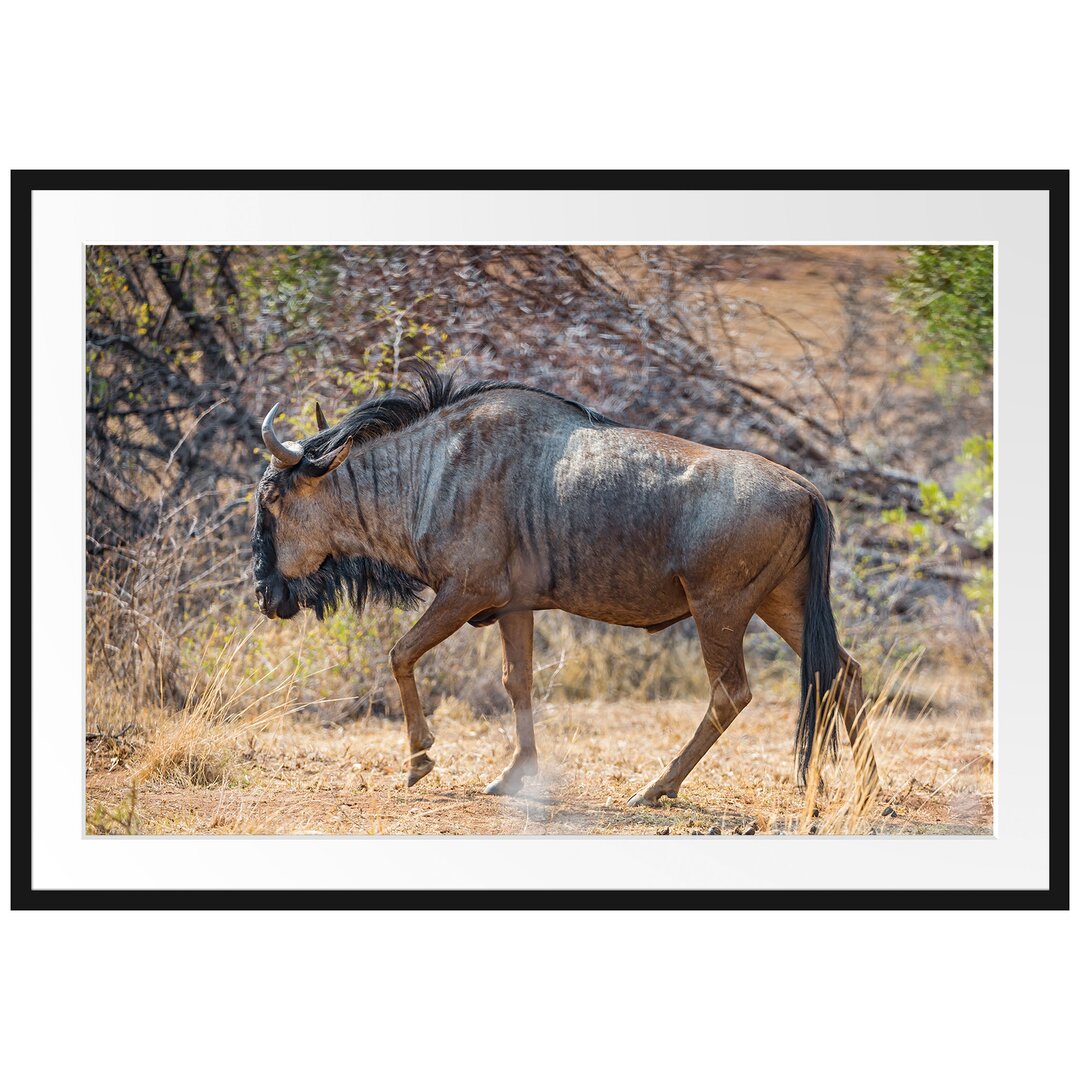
229, 765
843, 803
197, 744
205, 743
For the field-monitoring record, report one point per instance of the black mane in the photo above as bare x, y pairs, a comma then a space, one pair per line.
402, 408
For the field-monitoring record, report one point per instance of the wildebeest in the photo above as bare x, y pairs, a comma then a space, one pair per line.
506, 499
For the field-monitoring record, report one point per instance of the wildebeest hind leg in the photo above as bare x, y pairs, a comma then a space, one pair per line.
721, 645
517, 639
783, 611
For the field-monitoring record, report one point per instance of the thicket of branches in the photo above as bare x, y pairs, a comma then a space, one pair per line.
188, 347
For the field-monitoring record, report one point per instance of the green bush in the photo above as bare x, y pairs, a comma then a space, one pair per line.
947, 295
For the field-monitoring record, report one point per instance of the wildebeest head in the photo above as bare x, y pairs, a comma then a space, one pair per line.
303, 547
293, 563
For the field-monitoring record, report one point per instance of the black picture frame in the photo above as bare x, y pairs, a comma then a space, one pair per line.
24, 897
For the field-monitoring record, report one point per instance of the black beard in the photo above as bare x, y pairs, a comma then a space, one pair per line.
357, 579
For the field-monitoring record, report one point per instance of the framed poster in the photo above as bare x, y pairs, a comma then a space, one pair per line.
592, 431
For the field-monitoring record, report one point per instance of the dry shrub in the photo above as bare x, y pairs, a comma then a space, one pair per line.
579, 660
131, 616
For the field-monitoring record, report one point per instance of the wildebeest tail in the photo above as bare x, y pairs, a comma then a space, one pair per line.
821, 646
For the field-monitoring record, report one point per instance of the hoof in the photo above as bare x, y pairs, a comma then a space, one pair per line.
512, 779
419, 769
648, 797
505, 785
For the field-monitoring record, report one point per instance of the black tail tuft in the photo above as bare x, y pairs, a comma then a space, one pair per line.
821, 647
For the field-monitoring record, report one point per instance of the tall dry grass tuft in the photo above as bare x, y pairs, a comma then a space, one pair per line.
226, 708
838, 802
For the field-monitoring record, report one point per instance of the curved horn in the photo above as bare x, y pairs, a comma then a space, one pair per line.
320, 417
282, 454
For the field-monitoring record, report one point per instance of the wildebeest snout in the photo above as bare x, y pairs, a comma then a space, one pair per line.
275, 599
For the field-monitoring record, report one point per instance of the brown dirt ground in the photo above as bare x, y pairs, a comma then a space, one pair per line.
304, 777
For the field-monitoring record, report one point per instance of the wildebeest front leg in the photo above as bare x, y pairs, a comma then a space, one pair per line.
449, 611
517, 639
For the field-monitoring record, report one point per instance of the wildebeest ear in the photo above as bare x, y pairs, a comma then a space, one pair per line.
320, 417
329, 461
